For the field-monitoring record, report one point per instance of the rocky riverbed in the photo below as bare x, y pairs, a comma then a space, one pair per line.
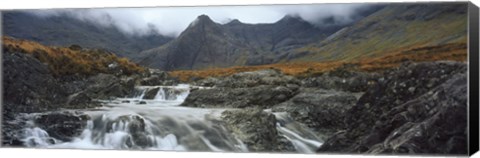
415, 108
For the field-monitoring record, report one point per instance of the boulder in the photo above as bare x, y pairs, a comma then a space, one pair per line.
62, 125
81, 100
151, 81
322, 110
157, 77
263, 96
251, 79
10, 128
151, 93
397, 87
30, 84
342, 79
431, 124
105, 86
135, 126
257, 129
416, 108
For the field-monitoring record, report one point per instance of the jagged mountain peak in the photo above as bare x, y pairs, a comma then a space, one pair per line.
234, 22
291, 18
202, 20
204, 17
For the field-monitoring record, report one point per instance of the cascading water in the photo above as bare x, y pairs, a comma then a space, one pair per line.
302, 138
160, 124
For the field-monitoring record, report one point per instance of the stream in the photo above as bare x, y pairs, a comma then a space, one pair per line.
160, 124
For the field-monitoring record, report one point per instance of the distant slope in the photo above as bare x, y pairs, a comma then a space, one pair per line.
65, 31
271, 42
206, 44
395, 27
66, 61
451, 52
386, 29
203, 44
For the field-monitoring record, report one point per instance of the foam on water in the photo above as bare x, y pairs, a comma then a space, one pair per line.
160, 124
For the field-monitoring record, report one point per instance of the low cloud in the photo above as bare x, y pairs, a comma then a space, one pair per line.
171, 21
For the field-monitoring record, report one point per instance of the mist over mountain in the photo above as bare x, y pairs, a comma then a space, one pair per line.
282, 33
329, 78
393, 28
66, 31
385, 29
207, 44
171, 21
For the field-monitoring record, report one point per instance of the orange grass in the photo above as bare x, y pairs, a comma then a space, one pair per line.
66, 61
454, 51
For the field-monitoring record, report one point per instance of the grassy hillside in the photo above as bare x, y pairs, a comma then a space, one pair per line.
453, 52
395, 27
73, 60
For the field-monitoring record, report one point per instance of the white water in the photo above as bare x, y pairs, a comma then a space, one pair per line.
160, 124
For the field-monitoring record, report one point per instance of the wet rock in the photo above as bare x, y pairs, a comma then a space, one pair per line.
135, 125
142, 102
62, 125
262, 96
151, 93
151, 81
433, 123
322, 110
393, 90
81, 100
208, 82
337, 142
105, 86
392, 117
10, 128
172, 93
157, 77
343, 80
129, 82
251, 79
256, 128
29, 83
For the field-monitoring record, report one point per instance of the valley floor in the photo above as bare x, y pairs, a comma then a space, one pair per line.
452, 52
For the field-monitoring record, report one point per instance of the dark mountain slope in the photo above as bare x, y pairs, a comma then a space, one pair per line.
203, 44
64, 31
290, 31
395, 27
271, 42
206, 44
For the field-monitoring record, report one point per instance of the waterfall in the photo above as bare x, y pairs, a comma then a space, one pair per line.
163, 93
160, 124
308, 142
140, 93
178, 93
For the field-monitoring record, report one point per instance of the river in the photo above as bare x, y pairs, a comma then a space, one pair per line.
161, 124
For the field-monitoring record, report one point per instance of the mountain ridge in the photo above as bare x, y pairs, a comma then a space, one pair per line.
244, 44
291, 39
64, 31
207, 44
393, 28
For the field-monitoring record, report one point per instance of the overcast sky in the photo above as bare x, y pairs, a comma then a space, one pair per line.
173, 20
